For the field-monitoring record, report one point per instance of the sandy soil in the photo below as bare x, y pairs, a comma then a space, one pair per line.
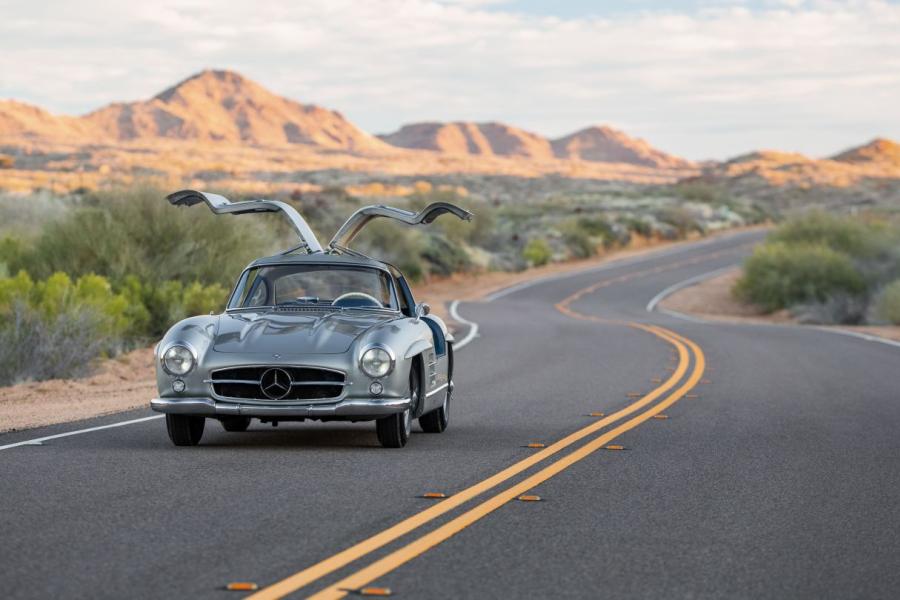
712, 299
129, 381
119, 384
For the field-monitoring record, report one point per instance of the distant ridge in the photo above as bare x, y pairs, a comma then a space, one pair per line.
593, 144
478, 139
605, 144
224, 107
225, 110
879, 150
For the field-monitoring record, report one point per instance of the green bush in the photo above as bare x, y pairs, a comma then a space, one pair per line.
638, 226
140, 234
56, 327
679, 218
888, 307
156, 307
780, 275
401, 246
853, 237
537, 252
445, 257
59, 295
579, 243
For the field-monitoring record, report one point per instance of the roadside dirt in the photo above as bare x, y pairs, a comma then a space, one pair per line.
712, 300
129, 381
122, 383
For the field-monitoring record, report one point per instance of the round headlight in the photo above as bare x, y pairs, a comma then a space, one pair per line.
178, 360
376, 362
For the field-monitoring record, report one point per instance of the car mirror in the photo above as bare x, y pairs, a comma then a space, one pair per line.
422, 309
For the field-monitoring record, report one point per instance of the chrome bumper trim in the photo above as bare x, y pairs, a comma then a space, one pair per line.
207, 407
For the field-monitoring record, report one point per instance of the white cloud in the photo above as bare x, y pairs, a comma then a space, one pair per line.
812, 76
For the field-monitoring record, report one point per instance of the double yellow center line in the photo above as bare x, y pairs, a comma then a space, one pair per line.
685, 349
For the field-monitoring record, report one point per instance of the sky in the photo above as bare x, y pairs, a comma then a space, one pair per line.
698, 78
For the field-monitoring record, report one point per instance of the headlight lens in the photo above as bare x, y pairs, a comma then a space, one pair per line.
178, 360
376, 362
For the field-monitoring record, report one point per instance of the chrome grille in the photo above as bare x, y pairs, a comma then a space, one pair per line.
306, 383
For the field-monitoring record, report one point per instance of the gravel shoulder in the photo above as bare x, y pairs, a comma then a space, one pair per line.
711, 299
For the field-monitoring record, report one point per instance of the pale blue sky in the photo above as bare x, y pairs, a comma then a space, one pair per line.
704, 79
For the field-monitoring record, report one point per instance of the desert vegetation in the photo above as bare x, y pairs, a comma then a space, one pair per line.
828, 269
89, 275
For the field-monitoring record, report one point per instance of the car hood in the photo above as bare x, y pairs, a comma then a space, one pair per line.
276, 332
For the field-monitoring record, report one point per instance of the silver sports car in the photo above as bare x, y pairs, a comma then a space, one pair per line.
312, 333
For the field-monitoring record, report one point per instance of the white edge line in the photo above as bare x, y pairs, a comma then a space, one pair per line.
473, 331
473, 327
38, 441
652, 305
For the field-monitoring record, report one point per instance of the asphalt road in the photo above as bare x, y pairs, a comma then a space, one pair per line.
775, 474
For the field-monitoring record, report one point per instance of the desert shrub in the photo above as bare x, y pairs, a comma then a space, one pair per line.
779, 275
12, 253
837, 308
445, 257
56, 327
680, 219
156, 307
888, 306
849, 236
537, 252
597, 227
579, 243
35, 347
397, 244
638, 226
138, 233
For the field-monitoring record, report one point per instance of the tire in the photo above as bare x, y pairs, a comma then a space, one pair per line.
393, 431
437, 420
235, 424
185, 430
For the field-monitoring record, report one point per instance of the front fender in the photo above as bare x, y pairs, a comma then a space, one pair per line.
418, 347
198, 334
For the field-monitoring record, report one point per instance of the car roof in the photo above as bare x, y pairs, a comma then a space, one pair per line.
320, 258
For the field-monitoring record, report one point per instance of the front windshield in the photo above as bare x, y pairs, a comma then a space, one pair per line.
314, 285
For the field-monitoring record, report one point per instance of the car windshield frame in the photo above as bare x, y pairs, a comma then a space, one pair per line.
238, 290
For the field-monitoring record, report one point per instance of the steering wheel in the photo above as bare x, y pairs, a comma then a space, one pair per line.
356, 299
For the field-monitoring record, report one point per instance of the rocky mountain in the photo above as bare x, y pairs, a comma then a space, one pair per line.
477, 139
213, 106
18, 119
605, 144
593, 144
879, 150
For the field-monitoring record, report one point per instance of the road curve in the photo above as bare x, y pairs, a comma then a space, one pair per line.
755, 462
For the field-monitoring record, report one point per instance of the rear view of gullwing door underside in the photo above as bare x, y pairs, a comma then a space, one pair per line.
362, 217
221, 205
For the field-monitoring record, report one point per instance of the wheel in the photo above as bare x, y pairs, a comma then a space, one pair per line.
235, 424
437, 420
393, 431
185, 430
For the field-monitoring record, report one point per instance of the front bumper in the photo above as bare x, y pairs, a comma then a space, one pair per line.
350, 408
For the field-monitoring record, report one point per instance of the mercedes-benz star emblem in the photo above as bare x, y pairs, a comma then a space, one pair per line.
275, 383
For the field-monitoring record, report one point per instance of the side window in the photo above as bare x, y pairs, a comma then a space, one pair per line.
407, 304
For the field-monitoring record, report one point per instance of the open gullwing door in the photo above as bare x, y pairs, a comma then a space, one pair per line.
223, 206
358, 220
